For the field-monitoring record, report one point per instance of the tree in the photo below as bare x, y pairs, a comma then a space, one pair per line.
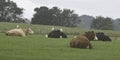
102, 23
117, 24
9, 12
118, 20
42, 16
69, 18
54, 16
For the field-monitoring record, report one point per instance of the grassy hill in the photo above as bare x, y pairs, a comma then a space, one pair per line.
37, 47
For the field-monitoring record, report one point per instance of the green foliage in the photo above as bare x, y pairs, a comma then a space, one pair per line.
117, 24
102, 23
69, 18
54, 16
42, 16
9, 12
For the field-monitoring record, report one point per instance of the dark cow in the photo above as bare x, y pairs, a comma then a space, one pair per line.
102, 37
57, 34
83, 41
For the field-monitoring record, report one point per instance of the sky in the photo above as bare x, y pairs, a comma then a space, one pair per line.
106, 8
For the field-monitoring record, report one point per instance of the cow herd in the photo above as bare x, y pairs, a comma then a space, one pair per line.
80, 41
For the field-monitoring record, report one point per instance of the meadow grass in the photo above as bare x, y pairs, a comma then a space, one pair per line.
37, 47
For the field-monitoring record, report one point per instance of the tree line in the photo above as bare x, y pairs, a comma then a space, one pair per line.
54, 16
10, 12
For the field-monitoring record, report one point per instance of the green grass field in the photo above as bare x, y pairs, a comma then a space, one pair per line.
37, 47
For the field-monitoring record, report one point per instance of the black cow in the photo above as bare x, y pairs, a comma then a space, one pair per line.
57, 34
101, 36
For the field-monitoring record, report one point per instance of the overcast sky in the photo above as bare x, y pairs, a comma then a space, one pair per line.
106, 8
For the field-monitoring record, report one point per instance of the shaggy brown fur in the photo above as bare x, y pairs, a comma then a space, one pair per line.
83, 41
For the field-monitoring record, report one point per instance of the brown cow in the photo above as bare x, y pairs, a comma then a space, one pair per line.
83, 41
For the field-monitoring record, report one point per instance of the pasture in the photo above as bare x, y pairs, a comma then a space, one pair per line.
37, 47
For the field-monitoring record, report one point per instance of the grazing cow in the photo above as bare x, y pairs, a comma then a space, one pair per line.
19, 32
83, 41
57, 34
101, 36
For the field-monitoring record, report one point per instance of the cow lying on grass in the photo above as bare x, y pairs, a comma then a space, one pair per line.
19, 32
57, 34
83, 41
102, 37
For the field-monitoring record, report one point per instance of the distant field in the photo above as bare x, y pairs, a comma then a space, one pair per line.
37, 47
44, 29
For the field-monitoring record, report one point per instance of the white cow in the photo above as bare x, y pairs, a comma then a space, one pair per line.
19, 32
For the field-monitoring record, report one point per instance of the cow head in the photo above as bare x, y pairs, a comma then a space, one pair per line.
30, 31
90, 35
